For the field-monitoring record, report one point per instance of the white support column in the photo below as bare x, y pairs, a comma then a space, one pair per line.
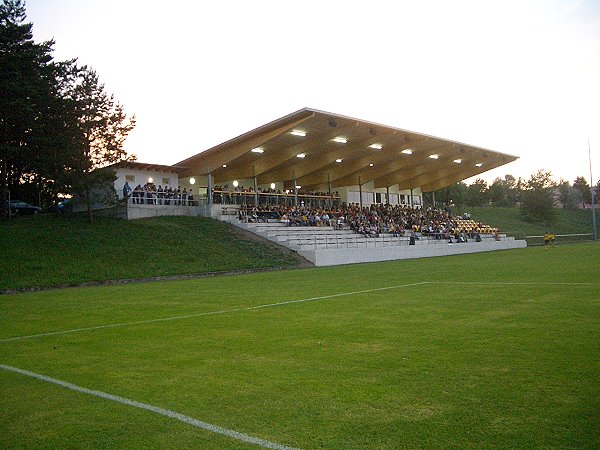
209, 198
360, 192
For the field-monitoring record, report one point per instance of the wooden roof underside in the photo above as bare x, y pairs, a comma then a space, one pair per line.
360, 163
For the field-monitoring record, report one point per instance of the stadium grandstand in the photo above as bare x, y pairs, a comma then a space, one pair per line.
322, 184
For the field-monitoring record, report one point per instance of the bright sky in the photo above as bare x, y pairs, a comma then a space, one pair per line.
520, 77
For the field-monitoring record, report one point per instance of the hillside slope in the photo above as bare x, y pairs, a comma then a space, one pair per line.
44, 251
509, 220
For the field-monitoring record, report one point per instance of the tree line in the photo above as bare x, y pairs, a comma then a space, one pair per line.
538, 197
57, 122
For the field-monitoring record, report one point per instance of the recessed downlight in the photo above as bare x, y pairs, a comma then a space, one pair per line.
301, 155
407, 151
340, 139
257, 150
339, 160
224, 165
434, 156
298, 133
458, 161
371, 165
478, 164
376, 146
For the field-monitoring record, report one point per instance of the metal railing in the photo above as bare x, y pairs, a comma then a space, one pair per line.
560, 239
272, 198
332, 238
159, 199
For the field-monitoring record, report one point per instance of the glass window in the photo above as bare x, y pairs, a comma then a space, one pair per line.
130, 178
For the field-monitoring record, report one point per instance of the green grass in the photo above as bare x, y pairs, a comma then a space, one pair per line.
509, 220
461, 364
50, 250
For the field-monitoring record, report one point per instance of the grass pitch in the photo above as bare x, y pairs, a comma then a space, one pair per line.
491, 350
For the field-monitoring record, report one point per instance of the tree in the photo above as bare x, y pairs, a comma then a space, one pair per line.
497, 193
57, 124
537, 203
569, 196
513, 190
583, 187
103, 127
453, 195
26, 87
477, 193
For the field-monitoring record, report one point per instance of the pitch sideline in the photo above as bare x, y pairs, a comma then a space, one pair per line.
155, 409
210, 313
270, 305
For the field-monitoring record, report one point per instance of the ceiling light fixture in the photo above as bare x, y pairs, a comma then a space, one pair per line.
339, 160
407, 151
376, 146
458, 161
434, 156
301, 155
224, 165
298, 133
257, 150
340, 139
478, 164
371, 165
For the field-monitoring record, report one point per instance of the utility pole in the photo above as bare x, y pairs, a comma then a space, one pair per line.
593, 196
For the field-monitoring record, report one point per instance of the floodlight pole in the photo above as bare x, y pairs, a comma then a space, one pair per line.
593, 196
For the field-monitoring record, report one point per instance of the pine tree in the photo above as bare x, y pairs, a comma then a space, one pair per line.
103, 127
26, 80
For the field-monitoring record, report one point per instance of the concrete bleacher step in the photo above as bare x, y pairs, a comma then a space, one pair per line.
309, 241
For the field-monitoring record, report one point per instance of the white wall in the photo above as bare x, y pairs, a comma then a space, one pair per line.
350, 194
142, 177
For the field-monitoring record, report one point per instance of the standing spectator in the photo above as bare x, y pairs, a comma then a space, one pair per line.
184, 197
126, 190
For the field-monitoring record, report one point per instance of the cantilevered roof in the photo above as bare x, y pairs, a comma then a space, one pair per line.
147, 166
314, 147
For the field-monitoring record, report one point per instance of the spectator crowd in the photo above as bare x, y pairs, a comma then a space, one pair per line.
397, 220
149, 194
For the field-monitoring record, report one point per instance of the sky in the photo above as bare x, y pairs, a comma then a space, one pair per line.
520, 77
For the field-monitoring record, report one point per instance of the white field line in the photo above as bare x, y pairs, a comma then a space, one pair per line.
210, 313
155, 409
516, 283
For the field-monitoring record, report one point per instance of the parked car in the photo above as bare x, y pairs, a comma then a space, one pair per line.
19, 208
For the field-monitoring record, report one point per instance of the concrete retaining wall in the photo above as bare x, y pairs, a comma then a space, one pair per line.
334, 257
143, 211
